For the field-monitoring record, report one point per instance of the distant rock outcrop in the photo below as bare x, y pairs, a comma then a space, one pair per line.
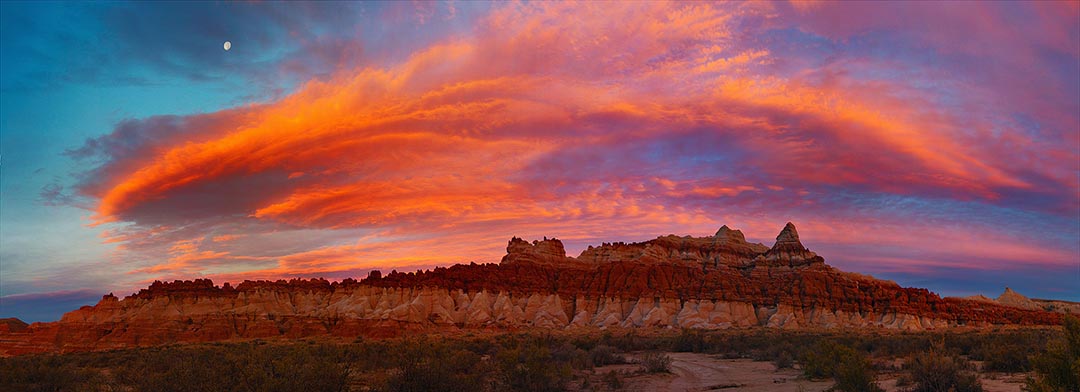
1017, 300
1012, 298
719, 281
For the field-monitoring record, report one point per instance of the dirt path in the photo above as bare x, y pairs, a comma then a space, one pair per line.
692, 372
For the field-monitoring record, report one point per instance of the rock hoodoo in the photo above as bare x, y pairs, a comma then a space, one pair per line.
789, 251
719, 281
548, 251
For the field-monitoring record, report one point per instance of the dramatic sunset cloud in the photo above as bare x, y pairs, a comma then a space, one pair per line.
934, 144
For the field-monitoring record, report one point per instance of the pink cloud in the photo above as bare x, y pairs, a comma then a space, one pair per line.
586, 121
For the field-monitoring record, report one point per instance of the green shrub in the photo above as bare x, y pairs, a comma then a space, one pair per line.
530, 367
853, 374
821, 360
933, 371
851, 369
1058, 369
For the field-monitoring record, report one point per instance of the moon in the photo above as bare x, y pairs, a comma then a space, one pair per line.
228, 45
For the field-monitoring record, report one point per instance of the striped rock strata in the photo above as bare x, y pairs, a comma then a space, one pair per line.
721, 281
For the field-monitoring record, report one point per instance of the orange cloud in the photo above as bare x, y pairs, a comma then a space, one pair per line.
592, 122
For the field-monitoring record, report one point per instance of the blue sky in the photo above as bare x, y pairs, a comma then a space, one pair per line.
938, 146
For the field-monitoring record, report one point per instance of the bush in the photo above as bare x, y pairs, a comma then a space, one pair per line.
602, 355
1007, 351
530, 367
1058, 369
654, 362
689, 340
821, 360
937, 372
569, 354
853, 374
851, 369
1006, 359
47, 373
431, 366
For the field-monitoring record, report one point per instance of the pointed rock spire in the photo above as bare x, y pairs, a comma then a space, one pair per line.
789, 251
788, 235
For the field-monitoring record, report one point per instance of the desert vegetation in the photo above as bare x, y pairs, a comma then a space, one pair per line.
934, 371
927, 361
1058, 367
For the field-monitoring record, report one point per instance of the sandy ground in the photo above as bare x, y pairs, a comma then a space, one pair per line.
702, 372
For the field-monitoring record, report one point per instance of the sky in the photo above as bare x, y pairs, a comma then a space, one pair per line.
933, 144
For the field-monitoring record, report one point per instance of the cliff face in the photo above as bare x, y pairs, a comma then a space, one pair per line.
720, 281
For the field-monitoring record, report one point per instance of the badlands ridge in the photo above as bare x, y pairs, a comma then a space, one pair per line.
721, 281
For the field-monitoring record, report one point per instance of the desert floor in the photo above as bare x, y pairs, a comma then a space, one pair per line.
704, 372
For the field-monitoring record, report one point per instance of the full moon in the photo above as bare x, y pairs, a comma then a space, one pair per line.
228, 45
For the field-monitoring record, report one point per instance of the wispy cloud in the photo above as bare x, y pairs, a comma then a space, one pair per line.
623, 121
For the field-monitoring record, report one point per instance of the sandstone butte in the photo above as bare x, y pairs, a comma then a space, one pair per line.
721, 281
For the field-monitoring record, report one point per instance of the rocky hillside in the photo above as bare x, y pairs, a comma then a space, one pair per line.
721, 281
1017, 300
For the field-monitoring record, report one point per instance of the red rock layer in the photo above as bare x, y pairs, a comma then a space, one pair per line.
672, 270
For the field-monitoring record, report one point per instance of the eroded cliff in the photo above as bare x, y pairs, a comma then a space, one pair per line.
721, 281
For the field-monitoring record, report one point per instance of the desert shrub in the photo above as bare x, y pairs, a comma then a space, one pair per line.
821, 360
853, 374
850, 368
654, 362
377, 363
241, 367
45, 373
529, 367
629, 341
602, 355
1009, 359
1058, 369
933, 371
432, 366
567, 353
1009, 350
688, 340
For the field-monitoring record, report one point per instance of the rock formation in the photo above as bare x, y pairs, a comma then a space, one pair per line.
12, 325
1011, 298
721, 281
789, 251
548, 251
